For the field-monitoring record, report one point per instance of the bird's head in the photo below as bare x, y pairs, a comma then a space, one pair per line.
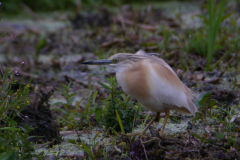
118, 60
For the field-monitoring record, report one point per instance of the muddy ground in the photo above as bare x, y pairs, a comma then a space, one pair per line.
54, 45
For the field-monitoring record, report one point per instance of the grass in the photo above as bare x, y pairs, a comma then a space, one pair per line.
214, 23
211, 37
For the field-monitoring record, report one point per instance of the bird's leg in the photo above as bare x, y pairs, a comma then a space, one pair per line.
164, 122
141, 133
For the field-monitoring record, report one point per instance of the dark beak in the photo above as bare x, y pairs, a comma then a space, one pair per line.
98, 62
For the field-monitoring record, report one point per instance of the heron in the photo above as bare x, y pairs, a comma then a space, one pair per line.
153, 83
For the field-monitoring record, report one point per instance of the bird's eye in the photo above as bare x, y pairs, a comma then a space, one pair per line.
115, 60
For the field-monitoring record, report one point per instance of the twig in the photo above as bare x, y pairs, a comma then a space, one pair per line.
152, 139
144, 149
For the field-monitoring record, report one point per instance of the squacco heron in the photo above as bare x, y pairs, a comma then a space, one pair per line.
152, 82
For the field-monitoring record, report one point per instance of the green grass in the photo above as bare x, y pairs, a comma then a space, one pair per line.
214, 22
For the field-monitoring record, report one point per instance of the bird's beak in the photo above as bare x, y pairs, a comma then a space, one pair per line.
98, 62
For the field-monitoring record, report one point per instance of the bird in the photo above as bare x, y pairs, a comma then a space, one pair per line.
152, 82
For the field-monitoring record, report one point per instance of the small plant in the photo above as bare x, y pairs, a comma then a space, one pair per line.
205, 106
77, 117
14, 140
229, 127
67, 106
68, 97
119, 113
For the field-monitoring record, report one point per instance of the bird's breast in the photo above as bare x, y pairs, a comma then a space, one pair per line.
134, 82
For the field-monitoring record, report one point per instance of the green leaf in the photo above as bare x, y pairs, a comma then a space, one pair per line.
9, 155
212, 103
60, 110
120, 122
10, 129
89, 151
122, 144
71, 95
63, 92
94, 96
98, 114
73, 141
219, 136
70, 101
69, 86
88, 102
41, 43
65, 87
5, 142
105, 86
58, 103
33, 137
204, 99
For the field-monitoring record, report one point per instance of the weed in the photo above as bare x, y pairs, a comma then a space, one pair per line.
69, 98
205, 106
14, 140
118, 112
79, 117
